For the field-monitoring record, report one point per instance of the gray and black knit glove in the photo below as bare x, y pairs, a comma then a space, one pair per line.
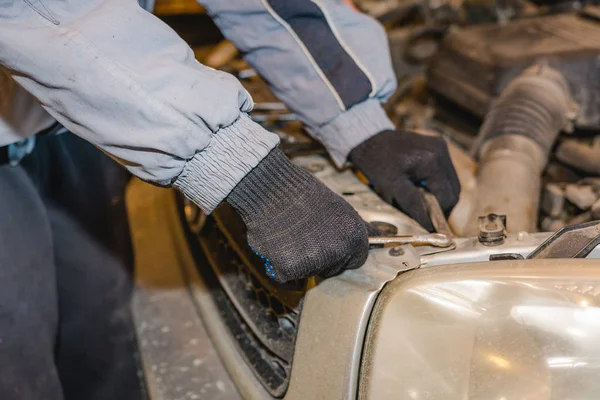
298, 225
397, 163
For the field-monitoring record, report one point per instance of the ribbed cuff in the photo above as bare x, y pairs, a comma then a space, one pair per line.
274, 184
233, 152
351, 128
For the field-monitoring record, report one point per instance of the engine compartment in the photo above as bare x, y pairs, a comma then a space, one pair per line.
473, 69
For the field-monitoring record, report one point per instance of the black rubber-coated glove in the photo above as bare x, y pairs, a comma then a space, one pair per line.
397, 163
299, 226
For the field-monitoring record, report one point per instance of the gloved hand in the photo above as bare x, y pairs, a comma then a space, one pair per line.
397, 163
298, 225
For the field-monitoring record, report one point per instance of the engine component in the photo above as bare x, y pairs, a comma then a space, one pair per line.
553, 200
509, 183
583, 196
580, 155
534, 105
570, 203
476, 63
492, 229
513, 145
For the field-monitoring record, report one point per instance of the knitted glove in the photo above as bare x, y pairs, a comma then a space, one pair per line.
298, 225
397, 163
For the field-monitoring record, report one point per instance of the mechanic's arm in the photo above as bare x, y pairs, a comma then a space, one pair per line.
331, 66
123, 80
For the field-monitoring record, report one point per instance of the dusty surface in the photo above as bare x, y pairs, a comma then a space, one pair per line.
179, 360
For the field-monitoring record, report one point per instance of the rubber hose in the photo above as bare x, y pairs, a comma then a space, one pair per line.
535, 104
512, 147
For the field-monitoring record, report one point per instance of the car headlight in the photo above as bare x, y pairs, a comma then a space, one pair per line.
498, 330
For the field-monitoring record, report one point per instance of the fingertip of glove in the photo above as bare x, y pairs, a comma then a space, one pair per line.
409, 200
360, 260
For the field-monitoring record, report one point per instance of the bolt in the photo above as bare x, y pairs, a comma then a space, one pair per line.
491, 226
396, 251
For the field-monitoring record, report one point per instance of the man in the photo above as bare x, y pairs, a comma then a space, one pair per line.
121, 79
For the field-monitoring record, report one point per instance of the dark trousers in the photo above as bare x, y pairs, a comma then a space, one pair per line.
66, 260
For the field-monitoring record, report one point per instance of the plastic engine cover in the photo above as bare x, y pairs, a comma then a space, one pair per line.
475, 63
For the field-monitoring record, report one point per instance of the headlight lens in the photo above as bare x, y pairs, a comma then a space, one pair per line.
495, 331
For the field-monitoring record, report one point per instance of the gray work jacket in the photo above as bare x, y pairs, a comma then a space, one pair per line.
117, 76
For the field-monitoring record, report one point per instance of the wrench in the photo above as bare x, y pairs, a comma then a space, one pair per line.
430, 239
438, 219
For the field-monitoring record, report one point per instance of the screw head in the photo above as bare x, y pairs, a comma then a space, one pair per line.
396, 251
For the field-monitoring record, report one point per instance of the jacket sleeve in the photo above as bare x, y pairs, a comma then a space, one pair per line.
329, 63
120, 78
